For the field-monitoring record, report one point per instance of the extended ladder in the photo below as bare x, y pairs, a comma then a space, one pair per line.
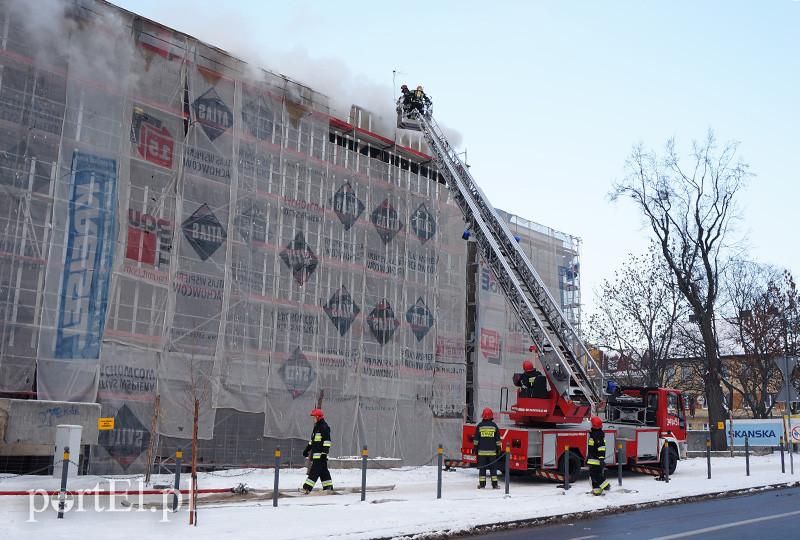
538, 312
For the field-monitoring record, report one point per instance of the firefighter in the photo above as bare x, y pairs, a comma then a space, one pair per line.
596, 457
488, 446
420, 101
405, 96
318, 447
532, 382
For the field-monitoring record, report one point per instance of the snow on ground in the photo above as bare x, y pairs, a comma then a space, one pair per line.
411, 508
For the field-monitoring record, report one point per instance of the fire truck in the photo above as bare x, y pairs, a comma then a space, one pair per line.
547, 434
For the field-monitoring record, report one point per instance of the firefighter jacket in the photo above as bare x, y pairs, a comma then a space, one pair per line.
596, 447
487, 439
320, 442
533, 384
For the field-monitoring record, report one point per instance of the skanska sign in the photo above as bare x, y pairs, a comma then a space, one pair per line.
758, 432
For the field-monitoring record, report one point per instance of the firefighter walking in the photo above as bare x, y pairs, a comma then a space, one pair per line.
317, 450
596, 457
487, 443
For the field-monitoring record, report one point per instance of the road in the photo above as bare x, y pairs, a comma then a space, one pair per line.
762, 516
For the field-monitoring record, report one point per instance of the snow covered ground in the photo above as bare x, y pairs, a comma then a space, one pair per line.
411, 508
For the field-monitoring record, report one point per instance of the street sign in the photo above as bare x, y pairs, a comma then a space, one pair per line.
792, 426
766, 432
105, 424
790, 368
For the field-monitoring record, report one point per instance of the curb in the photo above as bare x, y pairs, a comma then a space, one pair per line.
549, 520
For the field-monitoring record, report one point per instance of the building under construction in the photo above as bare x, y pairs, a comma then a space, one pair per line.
182, 231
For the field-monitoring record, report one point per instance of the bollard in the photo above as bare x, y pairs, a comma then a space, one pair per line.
708, 456
619, 463
276, 483
62, 493
783, 462
439, 474
508, 467
747, 453
178, 458
666, 461
566, 468
364, 455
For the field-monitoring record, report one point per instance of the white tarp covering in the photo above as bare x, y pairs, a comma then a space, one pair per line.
179, 224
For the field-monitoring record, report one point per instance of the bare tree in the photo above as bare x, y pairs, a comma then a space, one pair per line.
756, 322
636, 317
690, 206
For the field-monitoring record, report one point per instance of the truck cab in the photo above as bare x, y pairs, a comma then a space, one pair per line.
636, 409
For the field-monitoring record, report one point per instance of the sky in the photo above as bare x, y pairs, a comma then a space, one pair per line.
549, 97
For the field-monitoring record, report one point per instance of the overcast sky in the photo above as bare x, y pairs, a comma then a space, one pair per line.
549, 97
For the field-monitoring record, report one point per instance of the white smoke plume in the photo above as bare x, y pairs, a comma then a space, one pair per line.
56, 31
232, 30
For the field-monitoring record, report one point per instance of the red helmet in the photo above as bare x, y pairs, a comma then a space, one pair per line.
487, 414
404, 87
317, 413
597, 423
527, 365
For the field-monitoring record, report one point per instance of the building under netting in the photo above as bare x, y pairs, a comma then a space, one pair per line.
179, 227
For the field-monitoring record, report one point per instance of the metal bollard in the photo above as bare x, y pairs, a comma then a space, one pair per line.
364, 455
439, 473
276, 484
747, 453
62, 493
783, 461
708, 456
619, 463
666, 461
508, 467
566, 468
178, 459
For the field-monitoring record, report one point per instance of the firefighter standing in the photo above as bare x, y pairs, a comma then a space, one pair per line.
596, 457
318, 447
405, 97
420, 101
488, 446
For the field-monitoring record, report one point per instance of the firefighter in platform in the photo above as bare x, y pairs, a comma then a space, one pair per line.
317, 450
596, 457
488, 447
420, 101
405, 96
532, 383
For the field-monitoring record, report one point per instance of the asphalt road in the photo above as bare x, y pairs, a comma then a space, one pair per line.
762, 516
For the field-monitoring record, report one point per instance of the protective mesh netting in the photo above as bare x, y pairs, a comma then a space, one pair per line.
179, 224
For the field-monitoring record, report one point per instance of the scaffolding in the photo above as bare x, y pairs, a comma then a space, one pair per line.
179, 224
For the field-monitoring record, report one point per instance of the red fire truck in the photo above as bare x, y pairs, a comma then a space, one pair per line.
544, 433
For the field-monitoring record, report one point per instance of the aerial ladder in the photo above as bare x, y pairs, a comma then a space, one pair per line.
568, 364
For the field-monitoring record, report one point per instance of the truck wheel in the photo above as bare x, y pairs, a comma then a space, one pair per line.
673, 458
575, 464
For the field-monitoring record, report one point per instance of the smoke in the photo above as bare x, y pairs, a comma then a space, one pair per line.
233, 31
59, 32
104, 51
